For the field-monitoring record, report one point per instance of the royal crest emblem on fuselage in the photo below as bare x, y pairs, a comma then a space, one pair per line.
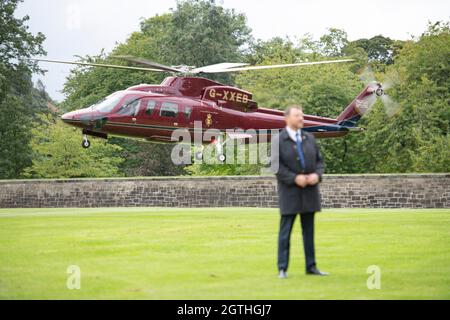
208, 120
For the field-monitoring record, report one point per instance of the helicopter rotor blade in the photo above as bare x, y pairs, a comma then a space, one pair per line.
367, 76
149, 63
391, 80
214, 68
97, 65
287, 65
391, 106
379, 91
218, 66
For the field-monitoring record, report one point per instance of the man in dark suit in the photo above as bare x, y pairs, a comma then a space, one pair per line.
300, 169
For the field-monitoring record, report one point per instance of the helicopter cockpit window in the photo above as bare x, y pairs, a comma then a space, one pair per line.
168, 109
130, 108
107, 105
150, 107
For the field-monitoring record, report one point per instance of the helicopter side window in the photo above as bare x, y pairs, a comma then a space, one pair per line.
150, 107
130, 109
168, 109
187, 111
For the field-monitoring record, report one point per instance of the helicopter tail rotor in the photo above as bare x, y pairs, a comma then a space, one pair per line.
390, 105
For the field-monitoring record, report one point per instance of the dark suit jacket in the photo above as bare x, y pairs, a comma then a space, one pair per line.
293, 199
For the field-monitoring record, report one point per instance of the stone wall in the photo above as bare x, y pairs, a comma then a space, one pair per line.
365, 191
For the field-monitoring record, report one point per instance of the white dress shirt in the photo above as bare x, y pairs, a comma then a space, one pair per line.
293, 134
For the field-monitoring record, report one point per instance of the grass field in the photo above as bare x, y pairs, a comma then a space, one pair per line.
220, 253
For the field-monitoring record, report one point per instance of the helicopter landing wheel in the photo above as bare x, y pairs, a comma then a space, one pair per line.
221, 157
198, 155
86, 143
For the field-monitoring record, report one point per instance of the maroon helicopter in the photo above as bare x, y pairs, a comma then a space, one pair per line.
153, 112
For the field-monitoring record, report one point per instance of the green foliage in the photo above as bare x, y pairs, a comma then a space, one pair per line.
240, 164
432, 153
403, 142
16, 46
219, 35
58, 153
222, 169
146, 159
276, 50
204, 33
15, 154
413, 136
378, 48
332, 43
322, 90
86, 86
277, 88
417, 136
428, 57
367, 151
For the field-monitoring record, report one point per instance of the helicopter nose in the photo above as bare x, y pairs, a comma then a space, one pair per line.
66, 117
69, 117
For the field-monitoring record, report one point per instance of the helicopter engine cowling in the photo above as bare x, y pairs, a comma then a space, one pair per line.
230, 97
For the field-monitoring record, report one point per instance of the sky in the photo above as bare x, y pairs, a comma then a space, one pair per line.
85, 27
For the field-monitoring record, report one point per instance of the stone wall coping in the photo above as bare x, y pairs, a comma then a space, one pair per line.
209, 178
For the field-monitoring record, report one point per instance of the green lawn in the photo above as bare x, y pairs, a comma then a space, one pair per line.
220, 253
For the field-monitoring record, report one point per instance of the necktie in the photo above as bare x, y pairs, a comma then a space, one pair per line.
300, 150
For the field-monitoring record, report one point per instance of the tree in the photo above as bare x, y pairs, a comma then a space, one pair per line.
205, 33
378, 48
146, 158
432, 154
322, 90
15, 153
58, 153
416, 137
275, 49
194, 33
16, 46
332, 43
189, 35
369, 150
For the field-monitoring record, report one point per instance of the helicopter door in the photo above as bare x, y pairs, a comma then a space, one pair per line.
167, 116
147, 113
186, 116
126, 118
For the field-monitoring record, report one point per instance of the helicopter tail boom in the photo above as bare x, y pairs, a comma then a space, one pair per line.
360, 106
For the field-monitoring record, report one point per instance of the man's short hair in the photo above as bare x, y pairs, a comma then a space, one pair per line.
288, 109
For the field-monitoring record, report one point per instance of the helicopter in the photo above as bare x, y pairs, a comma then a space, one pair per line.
184, 99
